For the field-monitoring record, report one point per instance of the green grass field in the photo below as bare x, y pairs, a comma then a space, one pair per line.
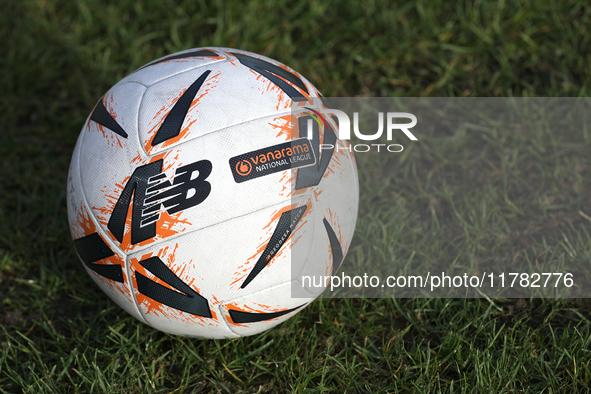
518, 199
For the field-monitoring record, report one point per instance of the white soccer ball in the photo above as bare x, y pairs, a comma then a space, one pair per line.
188, 192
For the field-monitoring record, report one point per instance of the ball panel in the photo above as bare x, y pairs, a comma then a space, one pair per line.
161, 69
102, 260
207, 267
121, 105
211, 264
230, 95
260, 311
289, 76
335, 200
169, 293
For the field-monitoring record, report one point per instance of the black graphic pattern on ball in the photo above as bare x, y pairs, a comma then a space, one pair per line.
271, 72
240, 317
101, 116
171, 127
92, 248
188, 300
151, 192
312, 175
287, 222
335, 247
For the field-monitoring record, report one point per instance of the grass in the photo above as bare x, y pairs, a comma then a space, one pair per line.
516, 197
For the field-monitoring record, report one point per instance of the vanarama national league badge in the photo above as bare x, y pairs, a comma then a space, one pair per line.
293, 154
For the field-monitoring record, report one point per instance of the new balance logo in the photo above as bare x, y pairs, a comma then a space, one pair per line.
153, 193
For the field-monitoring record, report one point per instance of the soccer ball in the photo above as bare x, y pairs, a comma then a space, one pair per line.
192, 183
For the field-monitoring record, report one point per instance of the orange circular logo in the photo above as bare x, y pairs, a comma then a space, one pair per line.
243, 168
